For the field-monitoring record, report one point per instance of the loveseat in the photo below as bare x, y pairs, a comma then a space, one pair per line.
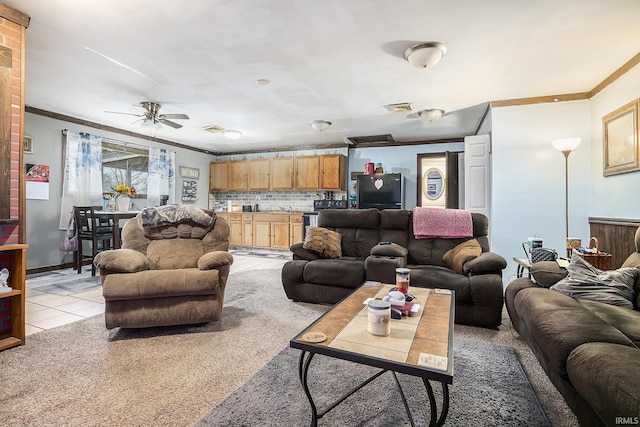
313, 277
589, 349
172, 269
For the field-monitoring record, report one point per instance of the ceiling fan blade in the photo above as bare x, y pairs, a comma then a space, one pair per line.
174, 116
170, 123
126, 114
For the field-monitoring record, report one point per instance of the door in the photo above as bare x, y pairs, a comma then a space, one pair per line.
281, 173
218, 178
261, 233
259, 174
239, 175
307, 172
280, 235
333, 172
477, 183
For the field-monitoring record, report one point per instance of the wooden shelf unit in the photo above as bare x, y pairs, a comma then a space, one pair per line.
17, 281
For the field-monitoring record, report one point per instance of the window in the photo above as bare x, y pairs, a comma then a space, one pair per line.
124, 165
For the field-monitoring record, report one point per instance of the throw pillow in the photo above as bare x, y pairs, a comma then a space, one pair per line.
323, 241
613, 287
466, 251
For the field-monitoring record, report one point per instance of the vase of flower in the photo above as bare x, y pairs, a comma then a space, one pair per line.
123, 194
124, 203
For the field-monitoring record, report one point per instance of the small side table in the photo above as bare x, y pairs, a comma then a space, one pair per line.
523, 264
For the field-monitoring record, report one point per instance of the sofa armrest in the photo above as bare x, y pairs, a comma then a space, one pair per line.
383, 268
214, 259
546, 273
391, 249
121, 261
487, 262
301, 253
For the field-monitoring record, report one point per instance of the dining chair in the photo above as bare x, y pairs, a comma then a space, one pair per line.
94, 228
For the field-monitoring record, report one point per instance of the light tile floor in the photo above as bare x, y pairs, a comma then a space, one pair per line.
64, 296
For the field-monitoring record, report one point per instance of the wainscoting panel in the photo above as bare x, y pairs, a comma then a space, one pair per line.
615, 236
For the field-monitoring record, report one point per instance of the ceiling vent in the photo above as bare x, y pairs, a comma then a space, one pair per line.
369, 140
399, 108
213, 129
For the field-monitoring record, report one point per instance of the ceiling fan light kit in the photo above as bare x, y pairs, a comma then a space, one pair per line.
320, 125
425, 55
431, 114
232, 134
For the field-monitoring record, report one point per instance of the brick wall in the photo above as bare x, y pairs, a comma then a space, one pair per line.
11, 35
12, 38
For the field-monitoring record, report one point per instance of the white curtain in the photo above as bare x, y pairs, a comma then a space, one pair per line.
162, 177
82, 184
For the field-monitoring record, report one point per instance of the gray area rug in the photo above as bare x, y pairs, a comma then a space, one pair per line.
489, 389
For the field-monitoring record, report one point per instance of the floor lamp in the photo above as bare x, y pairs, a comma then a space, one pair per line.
566, 146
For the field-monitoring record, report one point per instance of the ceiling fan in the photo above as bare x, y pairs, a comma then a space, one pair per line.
153, 117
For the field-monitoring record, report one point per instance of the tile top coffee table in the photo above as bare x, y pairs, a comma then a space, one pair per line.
420, 345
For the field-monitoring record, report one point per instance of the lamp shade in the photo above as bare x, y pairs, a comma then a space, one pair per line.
566, 144
425, 55
431, 115
320, 125
232, 134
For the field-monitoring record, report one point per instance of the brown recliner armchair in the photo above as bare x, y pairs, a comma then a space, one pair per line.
172, 269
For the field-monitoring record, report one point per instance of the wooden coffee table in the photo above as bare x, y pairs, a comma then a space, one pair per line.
420, 345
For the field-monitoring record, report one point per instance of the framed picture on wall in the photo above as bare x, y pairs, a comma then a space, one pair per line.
620, 146
27, 144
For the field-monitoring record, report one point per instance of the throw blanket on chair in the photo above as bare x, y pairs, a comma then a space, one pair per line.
441, 223
175, 214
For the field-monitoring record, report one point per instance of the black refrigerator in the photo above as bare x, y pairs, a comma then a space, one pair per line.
381, 191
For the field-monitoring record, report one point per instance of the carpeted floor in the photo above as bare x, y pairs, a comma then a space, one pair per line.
83, 375
489, 389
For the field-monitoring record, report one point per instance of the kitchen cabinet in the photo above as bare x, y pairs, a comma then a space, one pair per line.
235, 229
296, 231
239, 175
333, 172
282, 173
307, 172
247, 229
219, 176
280, 233
259, 170
14, 300
261, 232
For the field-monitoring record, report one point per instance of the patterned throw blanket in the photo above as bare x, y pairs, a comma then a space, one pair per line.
175, 214
441, 223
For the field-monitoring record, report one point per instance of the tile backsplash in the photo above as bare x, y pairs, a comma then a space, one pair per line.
296, 201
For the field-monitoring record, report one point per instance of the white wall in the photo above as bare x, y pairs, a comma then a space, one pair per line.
617, 195
43, 216
529, 176
398, 159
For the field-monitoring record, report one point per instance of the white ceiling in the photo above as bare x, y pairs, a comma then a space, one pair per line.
338, 60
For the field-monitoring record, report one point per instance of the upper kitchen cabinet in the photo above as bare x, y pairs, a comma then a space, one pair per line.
259, 170
307, 175
282, 173
333, 172
238, 175
219, 176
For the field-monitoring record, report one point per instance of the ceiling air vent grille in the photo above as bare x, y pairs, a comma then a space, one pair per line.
370, 140
399, 108
213, 129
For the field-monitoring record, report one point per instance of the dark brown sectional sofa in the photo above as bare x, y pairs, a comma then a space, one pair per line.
311, 278
590, 350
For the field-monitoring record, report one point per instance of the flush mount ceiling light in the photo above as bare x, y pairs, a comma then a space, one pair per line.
425, 55
431, 114
232, 134
320, 125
